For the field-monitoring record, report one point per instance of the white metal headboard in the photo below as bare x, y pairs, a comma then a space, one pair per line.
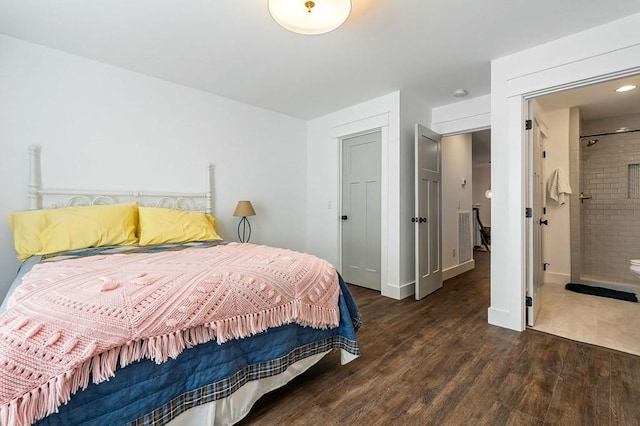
74, 197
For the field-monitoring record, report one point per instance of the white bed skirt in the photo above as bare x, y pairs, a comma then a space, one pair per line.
232, 409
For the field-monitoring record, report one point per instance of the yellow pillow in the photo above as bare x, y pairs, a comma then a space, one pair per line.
162, 226
46, 231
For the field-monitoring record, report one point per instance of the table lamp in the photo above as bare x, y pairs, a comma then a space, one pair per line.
244, 209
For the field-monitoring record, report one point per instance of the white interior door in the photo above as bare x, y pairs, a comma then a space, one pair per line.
361, 210
537, 221
428, 207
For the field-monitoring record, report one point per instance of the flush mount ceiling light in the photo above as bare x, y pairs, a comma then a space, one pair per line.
310, 17
625, 88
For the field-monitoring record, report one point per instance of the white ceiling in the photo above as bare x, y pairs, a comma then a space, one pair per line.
597, 100
234, 49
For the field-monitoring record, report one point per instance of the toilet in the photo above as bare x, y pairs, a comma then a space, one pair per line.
635, 267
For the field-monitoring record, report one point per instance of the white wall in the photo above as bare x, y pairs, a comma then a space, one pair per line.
482, 182
556, 248
607, 51
412, 111
456, 165
104, 127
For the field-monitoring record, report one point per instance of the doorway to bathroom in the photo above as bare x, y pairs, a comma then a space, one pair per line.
608, 189
594, 137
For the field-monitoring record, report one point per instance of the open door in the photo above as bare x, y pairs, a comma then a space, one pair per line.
536, 213
428, 204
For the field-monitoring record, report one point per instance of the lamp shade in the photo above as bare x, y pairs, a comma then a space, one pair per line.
310, 17
244, 208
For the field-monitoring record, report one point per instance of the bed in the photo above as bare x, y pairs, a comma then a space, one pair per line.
223, 323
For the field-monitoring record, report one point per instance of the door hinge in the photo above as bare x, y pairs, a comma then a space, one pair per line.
544, 154
544, 210
529, 301
528, 124
528, 212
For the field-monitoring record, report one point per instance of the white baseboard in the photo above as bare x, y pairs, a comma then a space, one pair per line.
458, 269
408, 289
503, 318
399, 292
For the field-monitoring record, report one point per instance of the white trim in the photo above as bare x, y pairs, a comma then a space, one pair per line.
498, 316
458, 269
384, 214
573, 75
400, 292
377, 123
362, 126
462, 117
470, 124
407, 290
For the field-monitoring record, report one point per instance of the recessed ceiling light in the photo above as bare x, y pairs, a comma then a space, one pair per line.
625, 88
460, 93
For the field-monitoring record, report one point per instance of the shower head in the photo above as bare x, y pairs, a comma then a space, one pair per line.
592, 142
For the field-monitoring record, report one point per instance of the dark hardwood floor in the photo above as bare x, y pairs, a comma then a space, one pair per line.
438, 361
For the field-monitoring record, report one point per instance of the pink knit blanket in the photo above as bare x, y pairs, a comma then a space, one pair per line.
75, 320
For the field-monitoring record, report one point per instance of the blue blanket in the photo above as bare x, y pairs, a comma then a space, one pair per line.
144, 393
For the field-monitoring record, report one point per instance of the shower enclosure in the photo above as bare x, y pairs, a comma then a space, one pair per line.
605, 204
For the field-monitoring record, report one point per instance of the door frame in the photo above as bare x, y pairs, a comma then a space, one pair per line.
527, 171
379, 123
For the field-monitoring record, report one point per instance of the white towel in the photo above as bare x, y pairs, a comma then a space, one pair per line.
558, 186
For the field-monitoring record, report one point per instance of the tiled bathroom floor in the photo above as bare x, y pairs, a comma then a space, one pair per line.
597, 320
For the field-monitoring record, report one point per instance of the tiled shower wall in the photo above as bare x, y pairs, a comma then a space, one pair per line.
611, 218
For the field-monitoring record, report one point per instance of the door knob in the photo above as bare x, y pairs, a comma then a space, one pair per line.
423, 219
544, 222
344, 217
